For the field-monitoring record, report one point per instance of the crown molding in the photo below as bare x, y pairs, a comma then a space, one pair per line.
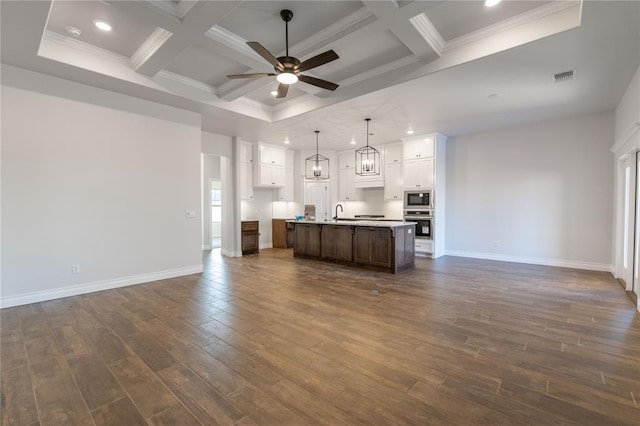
338, 29
620, 143
53, 37
428, 31
179, 10
407, 60
250, 103
510, 23
149, 47
181, 79
231, 40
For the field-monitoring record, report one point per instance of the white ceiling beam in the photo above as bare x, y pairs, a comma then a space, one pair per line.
162, 47
396, 20
147, 13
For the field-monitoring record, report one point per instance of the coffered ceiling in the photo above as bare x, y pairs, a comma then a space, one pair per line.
428, 65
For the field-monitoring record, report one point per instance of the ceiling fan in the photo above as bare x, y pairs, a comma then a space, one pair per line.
287, 68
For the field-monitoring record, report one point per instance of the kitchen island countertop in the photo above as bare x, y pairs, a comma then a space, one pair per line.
351, 222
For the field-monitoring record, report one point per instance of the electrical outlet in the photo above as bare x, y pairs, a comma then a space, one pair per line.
191, 214
75, 269
496, 243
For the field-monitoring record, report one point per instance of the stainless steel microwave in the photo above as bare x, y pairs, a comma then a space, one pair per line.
422, 199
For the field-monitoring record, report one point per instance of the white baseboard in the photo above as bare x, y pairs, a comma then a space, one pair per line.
532, 260
41, 296
266, 245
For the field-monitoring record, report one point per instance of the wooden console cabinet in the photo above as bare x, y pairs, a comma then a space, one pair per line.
250, 236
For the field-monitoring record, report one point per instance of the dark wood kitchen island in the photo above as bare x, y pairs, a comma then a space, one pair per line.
376, 245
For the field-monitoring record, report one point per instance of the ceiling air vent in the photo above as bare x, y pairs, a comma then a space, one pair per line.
563, 76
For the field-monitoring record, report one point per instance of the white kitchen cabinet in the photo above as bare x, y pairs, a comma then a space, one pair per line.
270, 176
246, 171
418, 173
347, 185
393, 153
274, 155
286, 192
393, 182
269, 166
420, 147
347, 160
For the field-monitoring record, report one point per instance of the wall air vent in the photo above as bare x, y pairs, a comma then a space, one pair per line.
564, 76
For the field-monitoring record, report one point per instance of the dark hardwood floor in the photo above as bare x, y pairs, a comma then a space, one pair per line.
268, 339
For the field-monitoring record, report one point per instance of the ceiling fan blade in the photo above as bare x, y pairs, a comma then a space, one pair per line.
318, 60
262, 51
254, 75
282, 91
318, 82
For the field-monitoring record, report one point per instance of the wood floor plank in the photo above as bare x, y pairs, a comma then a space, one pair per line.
94, 379
18, 404
212, 371
151, 352
143, 387
252, 370
209, 406
176, 415
263, 409
120, 412
12, 351
455, 341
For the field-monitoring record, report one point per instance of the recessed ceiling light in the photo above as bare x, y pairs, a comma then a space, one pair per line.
101, 25
286, 141
274, 93
73, 31
410, 131
353, 141
491, 3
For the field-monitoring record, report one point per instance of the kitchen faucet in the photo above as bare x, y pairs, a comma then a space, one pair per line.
336, 216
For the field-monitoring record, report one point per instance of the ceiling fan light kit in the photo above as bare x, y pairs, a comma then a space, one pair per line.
367, 158
316, 167
288, 68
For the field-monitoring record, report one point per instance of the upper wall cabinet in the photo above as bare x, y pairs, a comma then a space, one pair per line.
269, 166
420, 147
347, 160
393, 153
274, 155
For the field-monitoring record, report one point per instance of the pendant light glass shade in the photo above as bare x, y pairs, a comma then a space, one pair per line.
367, 158
316, 167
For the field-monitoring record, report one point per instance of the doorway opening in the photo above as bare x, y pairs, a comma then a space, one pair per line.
216, 213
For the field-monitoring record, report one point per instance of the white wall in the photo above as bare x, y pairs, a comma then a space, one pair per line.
97, 179
544, 191
210, 170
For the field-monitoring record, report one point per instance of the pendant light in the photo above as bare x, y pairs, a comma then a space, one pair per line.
367, 158
317, 166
